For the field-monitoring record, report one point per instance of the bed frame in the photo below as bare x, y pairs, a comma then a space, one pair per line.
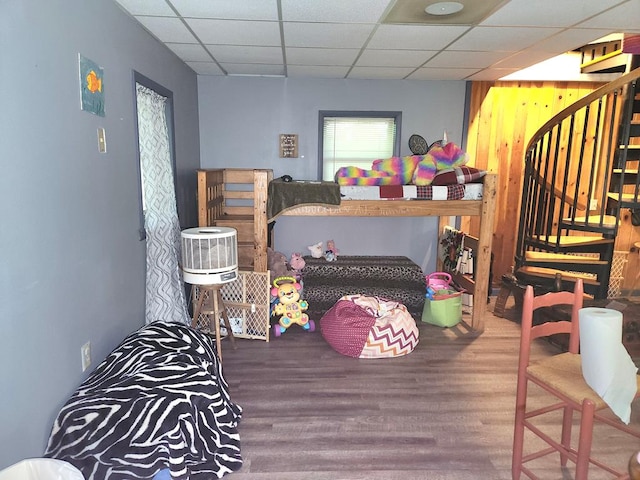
483, 208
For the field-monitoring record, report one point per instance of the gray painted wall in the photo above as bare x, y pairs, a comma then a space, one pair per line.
71, 266
241, 119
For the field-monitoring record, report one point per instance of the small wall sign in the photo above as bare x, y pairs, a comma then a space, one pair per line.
288, 145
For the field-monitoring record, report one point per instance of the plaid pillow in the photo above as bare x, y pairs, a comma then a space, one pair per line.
458, 175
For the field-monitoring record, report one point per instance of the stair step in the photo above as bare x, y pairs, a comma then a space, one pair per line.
629, 200
574, 240
551, 273
562, 258
633, 152
595, 221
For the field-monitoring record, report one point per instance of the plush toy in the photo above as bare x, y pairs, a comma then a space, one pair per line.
316, 250
331, 247
439, 157
289, 305
296, 262
277, 263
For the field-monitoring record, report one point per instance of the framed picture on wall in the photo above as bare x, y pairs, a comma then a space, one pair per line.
91, 86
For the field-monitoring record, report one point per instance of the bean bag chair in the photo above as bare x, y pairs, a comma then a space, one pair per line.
369, 327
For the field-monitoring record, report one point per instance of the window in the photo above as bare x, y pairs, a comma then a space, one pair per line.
356, 139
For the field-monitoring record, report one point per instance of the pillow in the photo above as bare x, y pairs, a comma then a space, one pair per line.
399, 166
458, 175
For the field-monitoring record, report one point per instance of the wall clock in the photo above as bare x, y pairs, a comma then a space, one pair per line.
418, 145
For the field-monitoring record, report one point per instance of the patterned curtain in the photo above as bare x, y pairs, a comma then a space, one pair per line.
165, 293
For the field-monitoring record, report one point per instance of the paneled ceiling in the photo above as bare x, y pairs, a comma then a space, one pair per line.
377, 39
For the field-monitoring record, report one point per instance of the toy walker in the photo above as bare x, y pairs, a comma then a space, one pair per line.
289, 305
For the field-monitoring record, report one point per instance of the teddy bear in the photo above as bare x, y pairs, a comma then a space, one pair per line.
277, 263
316, 250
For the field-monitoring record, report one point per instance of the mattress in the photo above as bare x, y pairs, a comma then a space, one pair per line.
468, 191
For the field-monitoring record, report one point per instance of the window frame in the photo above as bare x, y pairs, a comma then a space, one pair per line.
322, 114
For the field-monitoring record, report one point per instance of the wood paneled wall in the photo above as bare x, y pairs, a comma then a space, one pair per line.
502, 119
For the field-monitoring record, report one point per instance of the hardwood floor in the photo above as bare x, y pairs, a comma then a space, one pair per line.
443, 412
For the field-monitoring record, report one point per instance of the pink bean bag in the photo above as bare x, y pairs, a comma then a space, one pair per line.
369, 327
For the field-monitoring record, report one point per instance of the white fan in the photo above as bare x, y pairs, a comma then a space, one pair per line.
209, 255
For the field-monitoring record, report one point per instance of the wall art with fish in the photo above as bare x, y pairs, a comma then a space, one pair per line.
91, 86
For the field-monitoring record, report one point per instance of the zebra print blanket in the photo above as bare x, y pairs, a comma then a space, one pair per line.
158, 401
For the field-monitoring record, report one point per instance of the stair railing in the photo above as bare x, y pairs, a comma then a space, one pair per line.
569, 165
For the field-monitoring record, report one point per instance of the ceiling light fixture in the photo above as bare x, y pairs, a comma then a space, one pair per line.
444, 8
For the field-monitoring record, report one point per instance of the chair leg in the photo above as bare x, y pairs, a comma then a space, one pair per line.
567, 421
585, 440
518, 431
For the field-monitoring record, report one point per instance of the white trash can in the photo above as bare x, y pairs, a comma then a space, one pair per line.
41, 469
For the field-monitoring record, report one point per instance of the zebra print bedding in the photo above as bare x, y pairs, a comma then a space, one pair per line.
158, 401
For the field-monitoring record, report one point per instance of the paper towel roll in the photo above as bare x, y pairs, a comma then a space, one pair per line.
606, 365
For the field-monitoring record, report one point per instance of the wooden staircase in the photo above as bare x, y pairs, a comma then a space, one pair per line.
581, 173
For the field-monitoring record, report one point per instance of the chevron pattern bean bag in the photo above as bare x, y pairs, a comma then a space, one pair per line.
369, 327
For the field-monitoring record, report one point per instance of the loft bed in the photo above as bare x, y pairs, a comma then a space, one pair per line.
484, 208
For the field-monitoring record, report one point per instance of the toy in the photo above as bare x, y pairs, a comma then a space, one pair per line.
331, 247
316, 250
296, 262
277, 263
289, 305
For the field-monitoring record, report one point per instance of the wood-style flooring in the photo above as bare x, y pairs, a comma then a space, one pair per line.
444, 412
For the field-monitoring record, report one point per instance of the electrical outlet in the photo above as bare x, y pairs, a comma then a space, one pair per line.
593, 204
85, 351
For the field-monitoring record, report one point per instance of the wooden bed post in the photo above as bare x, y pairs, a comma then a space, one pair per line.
483, 255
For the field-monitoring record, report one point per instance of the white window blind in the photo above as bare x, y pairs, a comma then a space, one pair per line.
355, 141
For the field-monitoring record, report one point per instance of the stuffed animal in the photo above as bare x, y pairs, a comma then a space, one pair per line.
316, 250
289, 305
331, 247
277, 263
296, 262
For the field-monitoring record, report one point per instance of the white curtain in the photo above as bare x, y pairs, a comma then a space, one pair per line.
165, 294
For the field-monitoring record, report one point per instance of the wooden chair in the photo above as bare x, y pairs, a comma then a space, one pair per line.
561, 376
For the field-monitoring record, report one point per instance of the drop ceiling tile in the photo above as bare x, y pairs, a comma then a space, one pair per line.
233, 32
502, 39
253, 69
414, 37
569, 40
246, 54
338, 11
379, 72
394, 58
168, 29
190, 52
442, 73
523, 59
624, 18
547, 13
145, 7
230, 10
310, 71
326, 35
491, 74
205, 68
321, 56
464, 59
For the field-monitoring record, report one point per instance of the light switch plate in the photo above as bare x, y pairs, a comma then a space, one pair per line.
102, 140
